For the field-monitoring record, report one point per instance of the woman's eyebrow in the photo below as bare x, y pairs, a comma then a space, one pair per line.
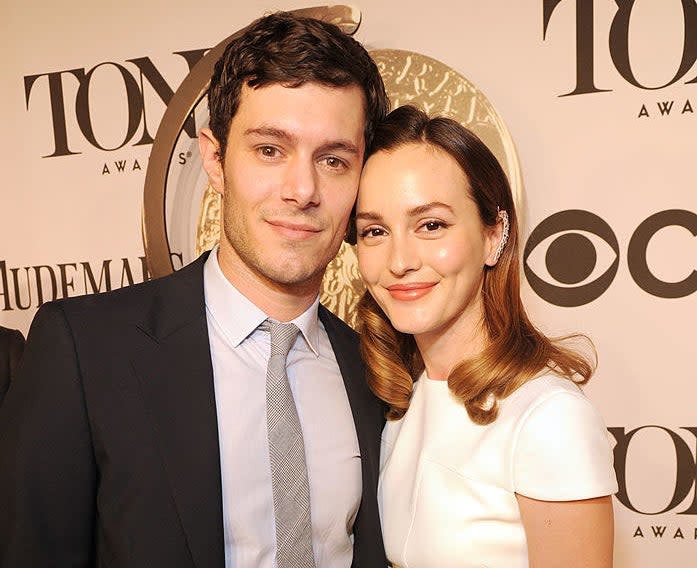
368, 216
426, 207
413, 212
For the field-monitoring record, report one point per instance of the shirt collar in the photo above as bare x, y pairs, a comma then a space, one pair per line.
238, 317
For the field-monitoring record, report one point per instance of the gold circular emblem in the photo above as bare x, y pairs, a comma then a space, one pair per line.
410, 78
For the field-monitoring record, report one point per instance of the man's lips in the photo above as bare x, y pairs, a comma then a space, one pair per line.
411, 291
294, 229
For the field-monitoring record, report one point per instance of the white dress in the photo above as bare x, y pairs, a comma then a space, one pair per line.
447, 485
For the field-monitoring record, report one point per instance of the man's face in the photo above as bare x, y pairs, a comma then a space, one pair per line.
289, 180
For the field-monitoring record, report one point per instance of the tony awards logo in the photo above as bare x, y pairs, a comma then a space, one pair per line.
626, 26
182, 213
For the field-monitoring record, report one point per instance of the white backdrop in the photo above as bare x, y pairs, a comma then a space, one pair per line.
622, 151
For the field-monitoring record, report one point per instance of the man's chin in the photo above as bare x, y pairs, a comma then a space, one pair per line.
292, 276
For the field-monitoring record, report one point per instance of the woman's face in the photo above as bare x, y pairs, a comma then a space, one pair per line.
422, 246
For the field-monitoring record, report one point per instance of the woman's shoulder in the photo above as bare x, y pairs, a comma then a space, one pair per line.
551, 406
542, 390
546, 384
561, 449
551, 401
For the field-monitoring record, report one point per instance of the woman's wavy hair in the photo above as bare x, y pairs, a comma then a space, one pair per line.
516, 351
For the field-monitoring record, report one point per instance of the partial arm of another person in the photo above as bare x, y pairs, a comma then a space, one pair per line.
16, 349
11, 347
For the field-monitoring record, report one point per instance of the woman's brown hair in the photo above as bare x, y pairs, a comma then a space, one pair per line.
516, 351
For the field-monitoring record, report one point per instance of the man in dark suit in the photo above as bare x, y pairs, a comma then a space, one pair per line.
135, 432
11, 347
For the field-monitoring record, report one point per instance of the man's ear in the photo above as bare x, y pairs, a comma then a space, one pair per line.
209, 147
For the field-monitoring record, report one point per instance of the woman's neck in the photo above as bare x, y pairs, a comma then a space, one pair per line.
443, 349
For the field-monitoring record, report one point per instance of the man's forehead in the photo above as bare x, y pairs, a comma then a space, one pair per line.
268, 90
284, 111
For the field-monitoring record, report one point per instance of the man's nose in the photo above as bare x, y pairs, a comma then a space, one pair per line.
301, 183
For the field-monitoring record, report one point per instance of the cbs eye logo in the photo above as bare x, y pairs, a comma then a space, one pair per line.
572, 257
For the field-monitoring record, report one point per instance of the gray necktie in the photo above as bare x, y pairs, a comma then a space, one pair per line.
291, 490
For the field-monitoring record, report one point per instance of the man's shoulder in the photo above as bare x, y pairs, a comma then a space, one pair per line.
182, 287
335, 325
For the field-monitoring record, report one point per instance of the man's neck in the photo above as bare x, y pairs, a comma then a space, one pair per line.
279, 301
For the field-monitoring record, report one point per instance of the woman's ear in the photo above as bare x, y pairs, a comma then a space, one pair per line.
210, 154
497, 237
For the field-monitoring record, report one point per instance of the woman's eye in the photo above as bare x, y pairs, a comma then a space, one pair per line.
372, 232
433, 225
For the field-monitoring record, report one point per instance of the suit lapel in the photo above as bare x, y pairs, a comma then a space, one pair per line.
368, 417
367, 412
176, 376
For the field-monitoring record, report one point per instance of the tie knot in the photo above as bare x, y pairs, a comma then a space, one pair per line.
282, 336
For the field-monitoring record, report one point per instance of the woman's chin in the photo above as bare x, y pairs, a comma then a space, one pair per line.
410, 327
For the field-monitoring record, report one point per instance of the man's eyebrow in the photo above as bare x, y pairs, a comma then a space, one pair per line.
270, 132
279, 134
340, 146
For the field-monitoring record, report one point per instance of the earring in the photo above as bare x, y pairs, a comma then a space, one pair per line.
502, 215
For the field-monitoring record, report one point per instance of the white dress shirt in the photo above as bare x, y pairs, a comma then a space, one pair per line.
240, 354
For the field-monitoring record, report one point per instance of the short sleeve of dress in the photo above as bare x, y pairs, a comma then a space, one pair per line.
562, 451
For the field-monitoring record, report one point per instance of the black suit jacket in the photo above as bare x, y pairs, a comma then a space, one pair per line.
109, 449
11, 347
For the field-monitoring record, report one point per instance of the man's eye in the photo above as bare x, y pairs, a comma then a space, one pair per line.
268, 151
334, 163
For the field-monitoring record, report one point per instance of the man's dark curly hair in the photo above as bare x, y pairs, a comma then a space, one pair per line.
292, 50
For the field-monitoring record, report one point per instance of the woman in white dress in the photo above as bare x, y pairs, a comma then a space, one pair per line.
491, 455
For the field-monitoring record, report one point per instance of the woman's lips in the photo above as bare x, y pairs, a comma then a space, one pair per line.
410, 292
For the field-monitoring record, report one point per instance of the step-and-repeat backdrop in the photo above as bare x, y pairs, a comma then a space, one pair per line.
599, 98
